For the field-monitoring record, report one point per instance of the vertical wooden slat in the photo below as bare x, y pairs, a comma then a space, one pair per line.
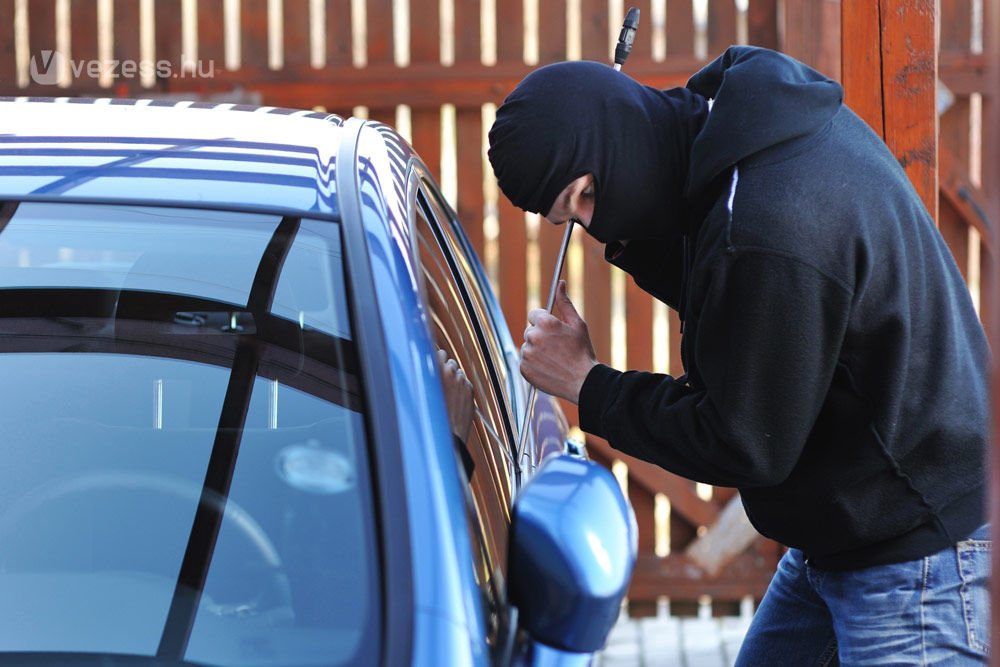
597, 275
469, 138
674, 333
468, 25
513, 267
909, 74
211, 33
510, 31
469, 129
680, 29
126, 30
426, 125
861, 60
425, 29
8, 64
41, 31
168, 32
512, 264
762, 23
425, 48
551, 48
253, 35
296, 35
551, 31
380, 42
338, 33
638, 327
812, 33
83, 36
721, 26
380, 48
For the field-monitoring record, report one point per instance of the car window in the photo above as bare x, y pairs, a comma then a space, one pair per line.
452, 325
496, 337
186, 471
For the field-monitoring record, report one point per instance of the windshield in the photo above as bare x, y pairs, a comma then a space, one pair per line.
185, 473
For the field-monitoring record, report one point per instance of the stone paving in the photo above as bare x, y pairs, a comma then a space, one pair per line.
670, 641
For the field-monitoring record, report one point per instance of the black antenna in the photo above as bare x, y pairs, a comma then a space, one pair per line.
626, 37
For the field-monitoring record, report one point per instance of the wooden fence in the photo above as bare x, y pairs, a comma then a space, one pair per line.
439, 67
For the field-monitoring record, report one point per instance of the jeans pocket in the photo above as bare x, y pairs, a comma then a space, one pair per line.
974, 569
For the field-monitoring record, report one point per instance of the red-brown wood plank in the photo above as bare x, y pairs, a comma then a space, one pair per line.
425, 47
956, 234
426, 125
762, 23
597, 298
338, 33
551, 31
425, 31
549, 243
861, 60
674, 334
42, 36
638, 327
8, 64
510, 31
469, 148
594, 36
513, 244
296, 33
721, 26
909, 73
468, 29
379, 30
253, 33
168, 32
126, 30
83, 32
594, 42
680, 29
211, 33
956, 25
643, 504
812, 33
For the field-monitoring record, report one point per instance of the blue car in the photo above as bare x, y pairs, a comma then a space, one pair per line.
225, 437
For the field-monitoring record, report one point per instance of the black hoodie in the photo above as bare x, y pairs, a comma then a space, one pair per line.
835, 366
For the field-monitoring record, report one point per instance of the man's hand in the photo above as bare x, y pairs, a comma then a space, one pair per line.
457, 396
557, 353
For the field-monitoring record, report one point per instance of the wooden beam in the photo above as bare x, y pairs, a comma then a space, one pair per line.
680, 578
889, 69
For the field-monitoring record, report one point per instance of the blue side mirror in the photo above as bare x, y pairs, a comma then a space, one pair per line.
572, 548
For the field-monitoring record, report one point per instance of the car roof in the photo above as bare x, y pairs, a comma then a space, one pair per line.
170, 153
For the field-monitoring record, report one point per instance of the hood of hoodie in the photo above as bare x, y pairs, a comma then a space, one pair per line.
653, 153
761, 98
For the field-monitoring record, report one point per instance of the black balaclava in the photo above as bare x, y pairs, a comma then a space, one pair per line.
573, 118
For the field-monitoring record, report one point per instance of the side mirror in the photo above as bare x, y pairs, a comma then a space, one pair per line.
572, 548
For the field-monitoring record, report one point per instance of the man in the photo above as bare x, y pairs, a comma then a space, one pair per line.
835, 366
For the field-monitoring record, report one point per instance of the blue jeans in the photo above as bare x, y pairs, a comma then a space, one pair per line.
930, 611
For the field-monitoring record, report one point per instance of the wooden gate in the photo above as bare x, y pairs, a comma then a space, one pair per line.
438, 68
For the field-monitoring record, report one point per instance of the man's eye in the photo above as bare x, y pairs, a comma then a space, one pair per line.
588, 191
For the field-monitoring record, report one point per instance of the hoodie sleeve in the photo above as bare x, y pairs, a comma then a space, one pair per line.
766, 347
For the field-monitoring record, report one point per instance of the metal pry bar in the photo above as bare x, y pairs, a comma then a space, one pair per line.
626, 37
532, 391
